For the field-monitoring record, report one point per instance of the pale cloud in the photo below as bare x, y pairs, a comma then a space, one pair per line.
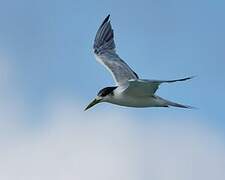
95, 145
78, 145
12, 107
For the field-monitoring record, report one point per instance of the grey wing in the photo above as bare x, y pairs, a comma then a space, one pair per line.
104, 49
142, 87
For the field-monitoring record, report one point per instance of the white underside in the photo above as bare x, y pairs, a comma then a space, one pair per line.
136, 101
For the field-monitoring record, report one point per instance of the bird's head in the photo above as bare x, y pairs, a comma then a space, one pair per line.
102, 96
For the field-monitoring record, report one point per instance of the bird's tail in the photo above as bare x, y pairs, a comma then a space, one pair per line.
167, 103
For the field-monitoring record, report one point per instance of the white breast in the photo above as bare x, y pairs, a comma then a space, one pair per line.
131, 101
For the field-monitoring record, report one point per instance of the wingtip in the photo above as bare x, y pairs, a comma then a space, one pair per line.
108, 16
188, 78
106, 20
190, 107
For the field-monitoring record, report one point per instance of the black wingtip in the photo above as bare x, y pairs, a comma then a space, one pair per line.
187, 78
105, 20
190, 77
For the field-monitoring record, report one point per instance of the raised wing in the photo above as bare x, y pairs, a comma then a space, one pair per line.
142, 87
104, 49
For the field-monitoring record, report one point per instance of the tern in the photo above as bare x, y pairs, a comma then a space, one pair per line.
130, 90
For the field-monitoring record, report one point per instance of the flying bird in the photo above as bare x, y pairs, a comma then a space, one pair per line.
130, 90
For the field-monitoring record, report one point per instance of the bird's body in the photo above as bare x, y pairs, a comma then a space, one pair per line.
130, 90
127, 100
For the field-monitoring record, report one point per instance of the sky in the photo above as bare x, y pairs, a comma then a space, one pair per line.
48, 75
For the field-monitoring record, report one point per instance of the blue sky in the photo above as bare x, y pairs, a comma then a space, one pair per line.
47, 46
51, 45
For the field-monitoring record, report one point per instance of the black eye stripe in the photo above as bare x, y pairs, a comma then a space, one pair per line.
106, 91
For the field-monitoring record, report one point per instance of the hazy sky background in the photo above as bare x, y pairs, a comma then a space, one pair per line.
48, 75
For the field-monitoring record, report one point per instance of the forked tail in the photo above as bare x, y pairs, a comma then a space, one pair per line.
167, 103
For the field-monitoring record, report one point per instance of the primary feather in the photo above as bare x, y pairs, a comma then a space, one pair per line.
104, 49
